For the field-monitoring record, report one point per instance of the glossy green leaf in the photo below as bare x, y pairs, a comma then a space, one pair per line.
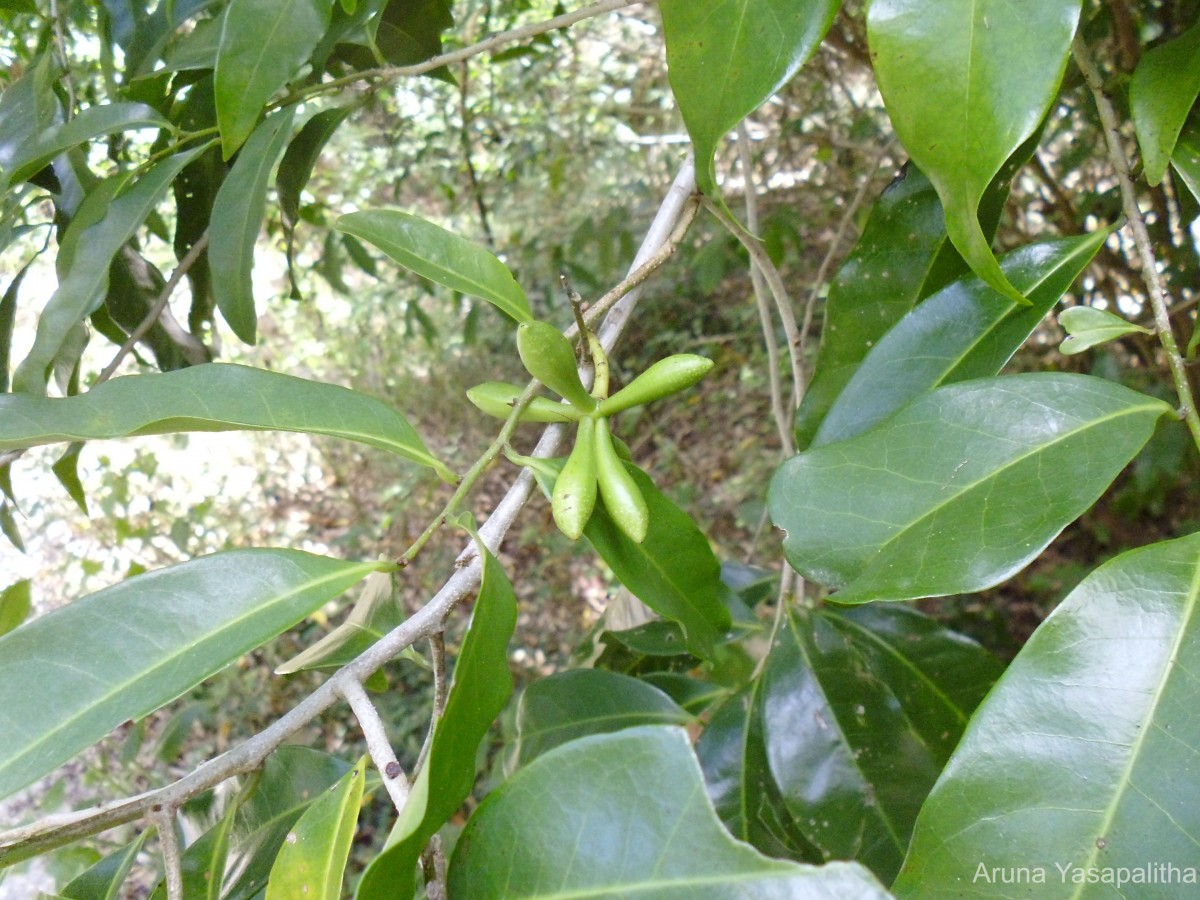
1082, 756
15, 604
313, 857
967, 330
725, 59
629, 817
960, 490
237, 217
105, 221
142, 643
673, 570
695, 695
965, 83
1086, 327
92, 122
1187, 155
1161, 94
482, 685
301, 156
375, 613
211, 397
103, 881
441, 256
263, 46
573, 704
27, 108
733, 756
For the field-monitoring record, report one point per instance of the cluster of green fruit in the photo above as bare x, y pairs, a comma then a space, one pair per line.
593, 466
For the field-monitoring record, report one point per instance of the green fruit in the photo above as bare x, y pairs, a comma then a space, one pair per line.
622, 498
550, 359
574, 495
497, 398
665, 377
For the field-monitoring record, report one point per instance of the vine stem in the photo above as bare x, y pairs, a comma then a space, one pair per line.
57, 830
1159, 301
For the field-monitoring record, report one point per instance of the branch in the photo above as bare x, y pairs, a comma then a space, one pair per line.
1159, 301
378, 744
168, 843
58, 830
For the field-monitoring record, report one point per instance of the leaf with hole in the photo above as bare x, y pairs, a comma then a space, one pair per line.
142, 643
937, 499
1078, 758
965, 84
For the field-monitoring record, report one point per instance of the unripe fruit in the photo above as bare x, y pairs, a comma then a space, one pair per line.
496, 398
550, 359
622, 498
665, 377
574, 495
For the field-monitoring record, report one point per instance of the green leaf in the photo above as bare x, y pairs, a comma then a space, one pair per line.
573, 704
302, 154
1080, 757
938, 499
725, 59
66, 470
442, 257
967, 330
263, 46
103, 881
210, 397
733, 756
629, 817
1161, 94
237, 216
92, 122
1187, 155
1087, 327
482, 685
965, 83
375, 613
673, 570
15, 604
105, 221
142, 643
27, 108
8, 319
203, 862
8, 526
313, 857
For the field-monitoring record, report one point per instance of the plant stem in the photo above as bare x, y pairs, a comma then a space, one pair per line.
1141, 237
378, 744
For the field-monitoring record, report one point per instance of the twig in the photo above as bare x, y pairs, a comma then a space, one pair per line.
156, 309
1159, 301
378, 744
441, 688
58, 830
168, 844
433, 865
783, 420
512, 36
783, 305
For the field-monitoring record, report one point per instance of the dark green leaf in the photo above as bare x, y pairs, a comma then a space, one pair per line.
967, 330
14, 605
302, 154
8, 526
629, 816
725, 59
410, 31
965, 85
733, 756
1187, 156
263, 45
655, 638
312, 860
441, 256
1161, 93
144, 642
1080, 758
155, 31
237, 217
482, 684
66, 469
693, 694
211, 397
938, 499
106, 219
569, 705
8, 317
103, 881
89, 123
673, 570
1088, 327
